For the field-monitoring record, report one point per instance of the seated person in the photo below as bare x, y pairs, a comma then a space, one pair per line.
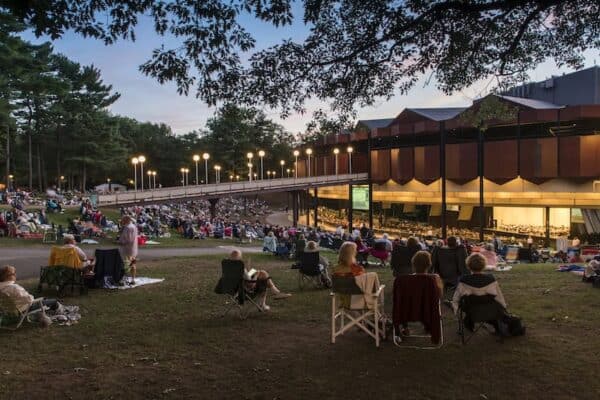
478, 284
69, 243
491, 261
421, 265
300, 245
311, 247
346, 265
449, 261
402, 257
270, 243
259, 282
362, 251
592, 270
23, 300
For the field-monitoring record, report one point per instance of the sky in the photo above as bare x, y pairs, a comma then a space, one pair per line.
145, 99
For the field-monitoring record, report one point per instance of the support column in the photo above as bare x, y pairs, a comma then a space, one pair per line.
350, 209
370, 181
316, 199
481, 205
213, 208
307, 206
443, 178
370, 205
295, 199
547, 238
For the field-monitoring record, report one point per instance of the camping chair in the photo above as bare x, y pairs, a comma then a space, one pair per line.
337, 243
371, 321
480, 310
416, 299
449, 264
64, 269
525, 254
380, 252
49, 236
231, 284
10, 314
309, 271
109, 263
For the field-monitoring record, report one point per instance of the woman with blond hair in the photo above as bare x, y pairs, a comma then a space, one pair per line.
347, 265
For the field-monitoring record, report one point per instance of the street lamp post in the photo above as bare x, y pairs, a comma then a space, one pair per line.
206, 156
135, 162
196, 158
308, 154
142, 160
250, 171
336, 153
288, 172
296, 154
268, 174
217, 174
108, 182
349, 150
282, 163
187, 176
154, 179
230, 178
182, 176
61, 182
149, 173
261, 154
274, 173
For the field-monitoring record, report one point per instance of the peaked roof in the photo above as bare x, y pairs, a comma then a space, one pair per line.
438, 114
375, 123
531, 103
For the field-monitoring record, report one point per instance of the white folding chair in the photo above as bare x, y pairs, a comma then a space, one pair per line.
9, 311
371, 321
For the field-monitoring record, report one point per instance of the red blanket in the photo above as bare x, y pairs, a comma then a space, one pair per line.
416, 299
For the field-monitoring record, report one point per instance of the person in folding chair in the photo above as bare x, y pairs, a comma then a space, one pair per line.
314, 265
417, 299
449, 264
257, 282
25, 303
479, 284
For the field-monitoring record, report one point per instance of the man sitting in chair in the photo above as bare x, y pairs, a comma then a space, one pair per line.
258, 281
478, 284
23, 300
70, 243
311, 247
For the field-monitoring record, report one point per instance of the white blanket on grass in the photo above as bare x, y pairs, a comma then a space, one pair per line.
139, 281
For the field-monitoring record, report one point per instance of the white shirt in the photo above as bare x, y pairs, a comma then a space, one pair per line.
16, 292
128, 241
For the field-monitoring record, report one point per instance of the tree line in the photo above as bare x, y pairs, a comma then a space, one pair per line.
55, 127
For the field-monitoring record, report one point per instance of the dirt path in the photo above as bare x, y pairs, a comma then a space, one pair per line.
29, 259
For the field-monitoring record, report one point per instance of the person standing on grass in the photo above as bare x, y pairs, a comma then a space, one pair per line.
128, 245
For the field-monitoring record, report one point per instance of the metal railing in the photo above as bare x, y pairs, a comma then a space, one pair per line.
229, 188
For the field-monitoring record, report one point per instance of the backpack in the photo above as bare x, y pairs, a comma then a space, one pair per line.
511, 325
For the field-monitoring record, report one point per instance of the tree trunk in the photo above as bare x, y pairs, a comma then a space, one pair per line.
7, 156
30, 151
39, 168
84, 176
58, 171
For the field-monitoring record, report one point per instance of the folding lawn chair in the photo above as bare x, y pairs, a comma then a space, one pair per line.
480, 310
449, 264
64, 269
371, 321
109, 263
416, 299
11, 315
231, 284
380, 252
309, 271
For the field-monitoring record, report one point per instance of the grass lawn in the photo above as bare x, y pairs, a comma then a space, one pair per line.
168, 341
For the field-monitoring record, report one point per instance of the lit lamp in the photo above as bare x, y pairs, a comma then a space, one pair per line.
249, 156
60, 182
187, 176
149, 173
206, 156
273, 173
308, 154
261, 154
237, 178
336, 152
282, 163
349, 150
11, 179
288, 172
217, 174
196, 158
135, 162
182, 176
108, 181
154, 179
230, 178
296, 154
142, 160
268, 174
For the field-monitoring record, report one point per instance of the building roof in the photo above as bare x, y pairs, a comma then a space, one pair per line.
438, 114
375, 123
531, 103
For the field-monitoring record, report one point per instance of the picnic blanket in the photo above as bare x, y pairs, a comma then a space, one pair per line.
64, 315
573, 268
139, 281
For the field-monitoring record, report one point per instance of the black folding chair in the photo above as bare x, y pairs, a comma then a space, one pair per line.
479, 310
449, 264
232, 285
309, 271
108, 263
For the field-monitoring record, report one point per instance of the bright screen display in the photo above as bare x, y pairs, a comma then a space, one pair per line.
360, 197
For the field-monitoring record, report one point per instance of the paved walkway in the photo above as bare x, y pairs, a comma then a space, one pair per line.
27, 260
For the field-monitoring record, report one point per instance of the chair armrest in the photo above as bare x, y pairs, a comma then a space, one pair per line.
379, 291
